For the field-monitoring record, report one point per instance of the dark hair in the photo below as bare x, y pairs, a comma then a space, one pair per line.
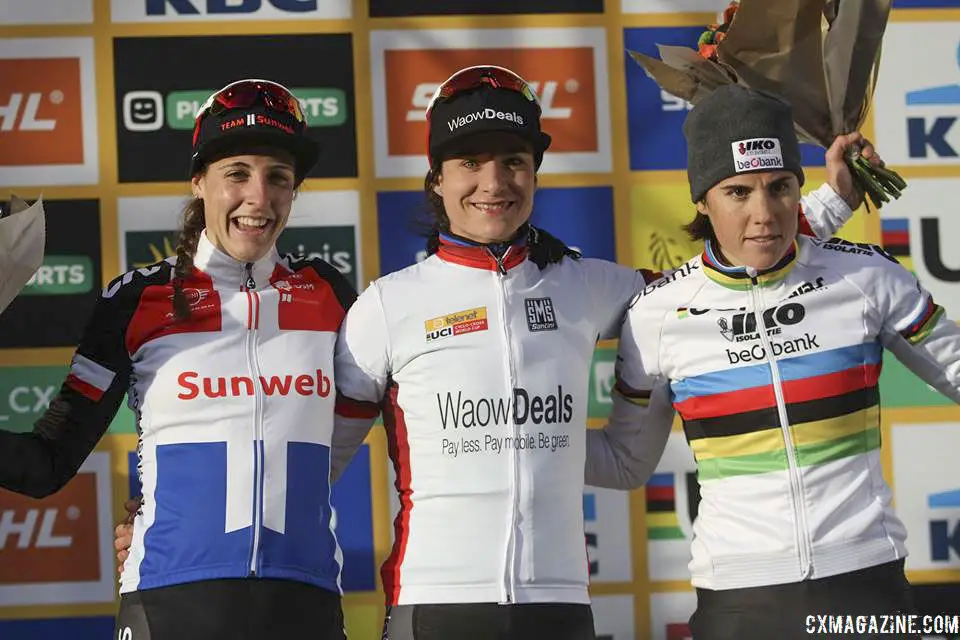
700, 229
544, 248
440, 221
190, 228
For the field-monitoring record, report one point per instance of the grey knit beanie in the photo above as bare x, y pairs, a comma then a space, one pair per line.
738, 130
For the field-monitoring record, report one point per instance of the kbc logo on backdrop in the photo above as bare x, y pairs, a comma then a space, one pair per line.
570, 81
918, 103
927, 495
180, 10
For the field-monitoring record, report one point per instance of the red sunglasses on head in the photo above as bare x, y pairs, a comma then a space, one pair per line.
248, 93
474, 77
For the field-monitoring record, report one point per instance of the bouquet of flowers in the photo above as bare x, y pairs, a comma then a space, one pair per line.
820, 55
22, 239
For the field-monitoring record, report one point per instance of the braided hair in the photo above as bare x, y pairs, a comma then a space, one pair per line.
190, 229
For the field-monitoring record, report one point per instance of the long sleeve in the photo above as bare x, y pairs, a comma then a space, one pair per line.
41, 462
362, 374
823, 212
625, 452
914, 327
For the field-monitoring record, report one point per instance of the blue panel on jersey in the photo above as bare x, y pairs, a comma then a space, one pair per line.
580, 216
351, 499
96, 628
132, 478
307, 545
655, 119
188, 532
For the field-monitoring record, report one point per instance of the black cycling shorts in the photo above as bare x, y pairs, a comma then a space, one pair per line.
489, 621
799, 609
255, 609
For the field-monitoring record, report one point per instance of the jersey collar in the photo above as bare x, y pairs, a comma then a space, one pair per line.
741, 278
460, 251
229, 273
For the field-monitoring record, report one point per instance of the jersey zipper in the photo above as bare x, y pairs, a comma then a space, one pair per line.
253, 325
801, 528
509, 576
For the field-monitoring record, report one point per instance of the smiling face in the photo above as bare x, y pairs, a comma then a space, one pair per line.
246, 201
754, 217
487, 184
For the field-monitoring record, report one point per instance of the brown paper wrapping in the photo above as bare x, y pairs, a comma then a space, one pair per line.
820, 55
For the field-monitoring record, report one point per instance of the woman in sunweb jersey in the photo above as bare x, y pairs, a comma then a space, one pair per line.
483, 353
226, 354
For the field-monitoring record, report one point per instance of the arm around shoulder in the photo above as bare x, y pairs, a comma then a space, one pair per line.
362, 371
626, 451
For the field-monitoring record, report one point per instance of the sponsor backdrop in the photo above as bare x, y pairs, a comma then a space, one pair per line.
96, 108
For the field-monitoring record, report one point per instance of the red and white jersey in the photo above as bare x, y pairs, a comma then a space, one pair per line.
234, 410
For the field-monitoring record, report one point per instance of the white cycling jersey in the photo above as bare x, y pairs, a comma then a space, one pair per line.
775, 375
485, 367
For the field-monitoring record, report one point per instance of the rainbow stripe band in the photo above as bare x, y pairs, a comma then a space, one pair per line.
732, 422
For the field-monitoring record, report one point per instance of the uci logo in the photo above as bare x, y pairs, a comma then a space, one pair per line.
439, 333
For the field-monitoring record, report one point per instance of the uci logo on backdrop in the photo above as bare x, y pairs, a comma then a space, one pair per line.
919, 231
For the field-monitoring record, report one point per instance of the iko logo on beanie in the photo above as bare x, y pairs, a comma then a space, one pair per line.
757, 153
